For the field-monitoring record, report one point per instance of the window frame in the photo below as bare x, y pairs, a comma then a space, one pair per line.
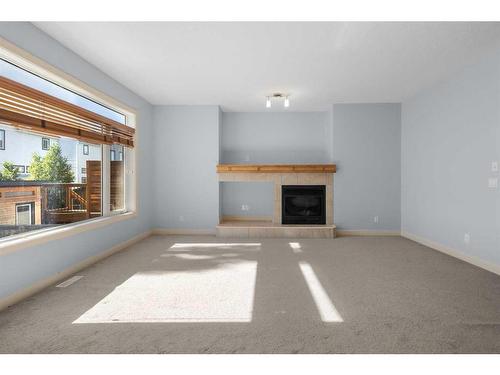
24, 60
85, 149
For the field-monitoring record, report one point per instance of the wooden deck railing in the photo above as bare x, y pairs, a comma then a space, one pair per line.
64, 203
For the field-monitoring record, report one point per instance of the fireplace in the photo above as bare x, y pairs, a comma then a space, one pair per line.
303, 204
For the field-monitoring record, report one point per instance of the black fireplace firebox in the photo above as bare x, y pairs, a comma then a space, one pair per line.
303, 204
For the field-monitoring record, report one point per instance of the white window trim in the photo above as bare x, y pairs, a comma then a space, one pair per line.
106, 177
18, 56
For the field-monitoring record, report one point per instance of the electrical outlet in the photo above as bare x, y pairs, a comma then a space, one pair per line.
494, 166
181, 218
245, 207
375, 219
493, 182
467, 238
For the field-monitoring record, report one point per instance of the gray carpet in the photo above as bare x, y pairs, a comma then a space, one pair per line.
207, 295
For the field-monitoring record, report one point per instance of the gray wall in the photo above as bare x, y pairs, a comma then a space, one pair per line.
451, 134
276, 137
367, 150
363, 139
186, 150
257, 196
23, 268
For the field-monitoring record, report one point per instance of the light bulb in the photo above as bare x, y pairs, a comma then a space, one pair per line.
268, 102
287, 102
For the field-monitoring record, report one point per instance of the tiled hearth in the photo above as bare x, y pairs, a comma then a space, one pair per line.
279, 175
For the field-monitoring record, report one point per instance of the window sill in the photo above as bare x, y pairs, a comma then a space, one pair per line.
25, 240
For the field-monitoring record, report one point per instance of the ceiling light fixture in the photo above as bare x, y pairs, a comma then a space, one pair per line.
278, 95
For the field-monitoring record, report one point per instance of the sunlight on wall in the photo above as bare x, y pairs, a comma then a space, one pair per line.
326, 309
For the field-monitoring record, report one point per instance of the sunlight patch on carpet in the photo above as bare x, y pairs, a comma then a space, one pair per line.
296, 248
219, 294
325, 306
222, 246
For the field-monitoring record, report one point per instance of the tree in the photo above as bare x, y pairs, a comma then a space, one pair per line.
53, 167
9, 172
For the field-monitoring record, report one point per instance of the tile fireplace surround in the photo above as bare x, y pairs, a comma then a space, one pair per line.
288, 174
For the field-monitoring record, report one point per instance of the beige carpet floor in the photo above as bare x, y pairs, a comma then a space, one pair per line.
193, 294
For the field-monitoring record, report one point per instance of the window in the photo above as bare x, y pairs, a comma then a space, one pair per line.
24, 214
20, 168
112, 155
45, 143
59, 194
33, 81
41, 111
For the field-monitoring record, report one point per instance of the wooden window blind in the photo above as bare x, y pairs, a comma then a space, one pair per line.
24, 107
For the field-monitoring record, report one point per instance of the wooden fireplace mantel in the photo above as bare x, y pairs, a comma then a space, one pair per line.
276, 168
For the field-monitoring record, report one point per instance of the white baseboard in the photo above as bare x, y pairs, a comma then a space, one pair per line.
349, 233
492, 267
42, 284
184, 232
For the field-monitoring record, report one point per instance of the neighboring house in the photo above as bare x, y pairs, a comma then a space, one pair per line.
116, 153
18, 146
81, 153
20, 203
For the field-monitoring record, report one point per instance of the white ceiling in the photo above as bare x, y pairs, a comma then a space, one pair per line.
236, 65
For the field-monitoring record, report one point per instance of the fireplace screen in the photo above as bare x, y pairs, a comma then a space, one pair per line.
303, 204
